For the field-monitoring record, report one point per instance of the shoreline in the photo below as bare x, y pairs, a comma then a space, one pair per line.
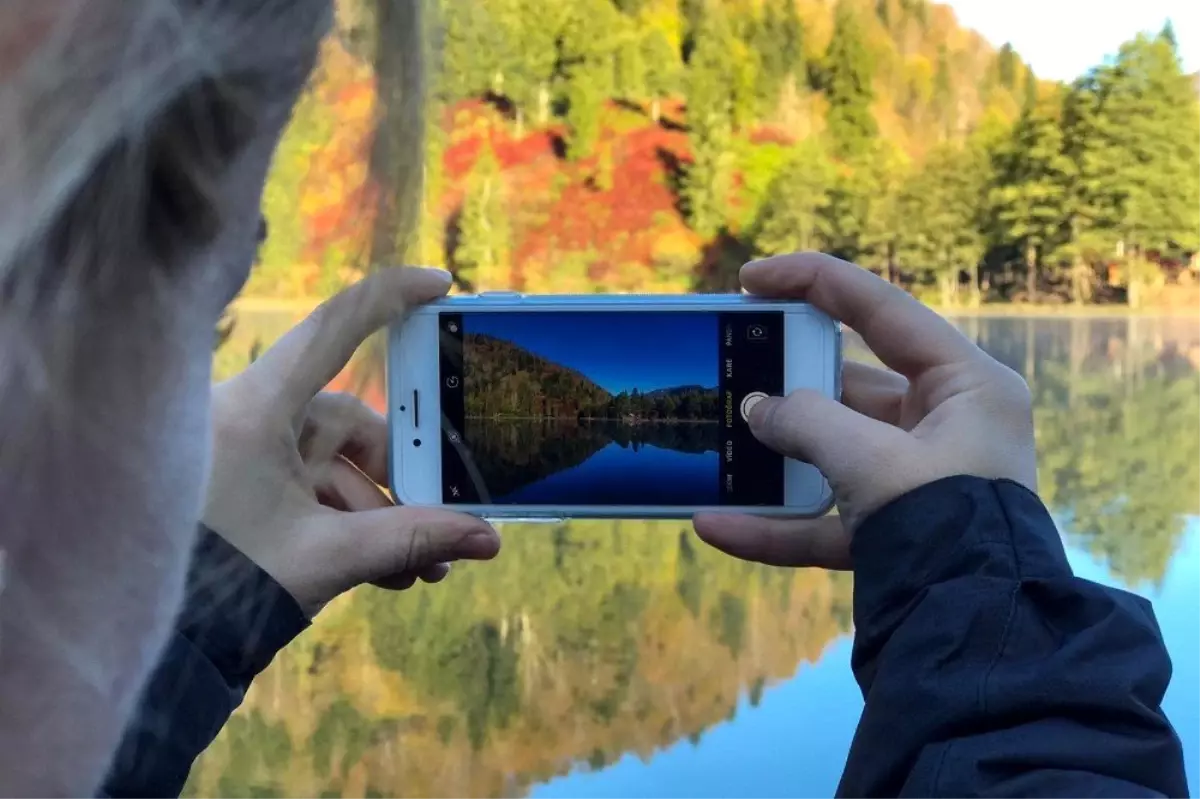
996, 310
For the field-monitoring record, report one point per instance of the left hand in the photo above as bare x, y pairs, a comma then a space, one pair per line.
295, 476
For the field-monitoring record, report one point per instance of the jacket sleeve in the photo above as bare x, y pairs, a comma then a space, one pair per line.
988, 668
234, 619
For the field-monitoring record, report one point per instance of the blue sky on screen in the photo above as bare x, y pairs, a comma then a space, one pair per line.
1061, 39
619, 351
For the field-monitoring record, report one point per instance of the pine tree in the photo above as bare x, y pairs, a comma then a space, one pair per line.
864, 225
882, 229
585, 104
428, 248
589, 59
707, 183
942, 203
662, 69
1167, 35
1006, 65
945, 105
630, 69
1031, 88
1033, 173
531, 29
743, 76
793, 218
777, 38
471, 40
1092, 202
481, 256
848, 85
1131, 131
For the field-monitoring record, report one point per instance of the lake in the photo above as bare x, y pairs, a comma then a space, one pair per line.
626, 659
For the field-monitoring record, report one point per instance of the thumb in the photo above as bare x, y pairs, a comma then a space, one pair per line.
380, 543
810, 427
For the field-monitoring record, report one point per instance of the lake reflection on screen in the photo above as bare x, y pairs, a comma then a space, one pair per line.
600, 462
625, 658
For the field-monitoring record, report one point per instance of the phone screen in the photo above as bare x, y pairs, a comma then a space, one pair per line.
611, 408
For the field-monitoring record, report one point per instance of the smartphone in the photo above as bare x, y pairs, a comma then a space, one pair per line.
512, 407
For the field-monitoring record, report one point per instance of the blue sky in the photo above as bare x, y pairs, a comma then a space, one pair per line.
1060, 39
620, 351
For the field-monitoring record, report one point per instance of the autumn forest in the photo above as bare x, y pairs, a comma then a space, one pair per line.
654, 145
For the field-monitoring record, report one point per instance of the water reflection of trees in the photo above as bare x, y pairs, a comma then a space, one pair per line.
592, 640
1117, 409
512, 453
580, 645
1120, 461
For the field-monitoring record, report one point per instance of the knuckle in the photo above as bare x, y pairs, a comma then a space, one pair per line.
340, 401
414, 549
1014, 390
333, 408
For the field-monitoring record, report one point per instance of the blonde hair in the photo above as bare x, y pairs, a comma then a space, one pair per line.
119, 121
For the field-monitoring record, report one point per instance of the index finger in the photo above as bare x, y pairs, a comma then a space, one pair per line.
312, 353
906, 335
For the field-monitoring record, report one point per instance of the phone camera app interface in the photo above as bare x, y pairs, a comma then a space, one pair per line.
614, 408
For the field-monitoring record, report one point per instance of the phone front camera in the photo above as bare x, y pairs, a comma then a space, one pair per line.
416, 442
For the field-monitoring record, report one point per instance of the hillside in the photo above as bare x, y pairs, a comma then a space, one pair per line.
565, 153
571, 231
502, 379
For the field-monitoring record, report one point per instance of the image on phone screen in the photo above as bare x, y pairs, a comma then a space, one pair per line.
621, 408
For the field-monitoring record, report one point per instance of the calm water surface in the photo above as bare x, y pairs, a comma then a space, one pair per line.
613, 659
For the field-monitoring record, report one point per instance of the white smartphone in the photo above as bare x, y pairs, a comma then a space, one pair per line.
511, 407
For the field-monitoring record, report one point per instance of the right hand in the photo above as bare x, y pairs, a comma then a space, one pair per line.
943, 408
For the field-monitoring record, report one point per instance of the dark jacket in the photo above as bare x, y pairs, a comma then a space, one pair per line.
987, 667
235, 618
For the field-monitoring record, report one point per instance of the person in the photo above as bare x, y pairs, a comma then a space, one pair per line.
135, 140
987, 666
126, 224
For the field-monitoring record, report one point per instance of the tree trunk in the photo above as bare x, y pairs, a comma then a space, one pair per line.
892, 267
1031, 275
976, 299
1079, 289
1133, 280
947, 290
391, 169
656, 110
543, 104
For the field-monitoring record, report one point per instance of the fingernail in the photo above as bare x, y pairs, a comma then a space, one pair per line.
481, 545
441, 273
762, 411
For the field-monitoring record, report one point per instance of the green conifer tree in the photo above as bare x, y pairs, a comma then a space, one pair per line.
848, 85
793, 216
707, 183
662, 69
481, 257
1030, 197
